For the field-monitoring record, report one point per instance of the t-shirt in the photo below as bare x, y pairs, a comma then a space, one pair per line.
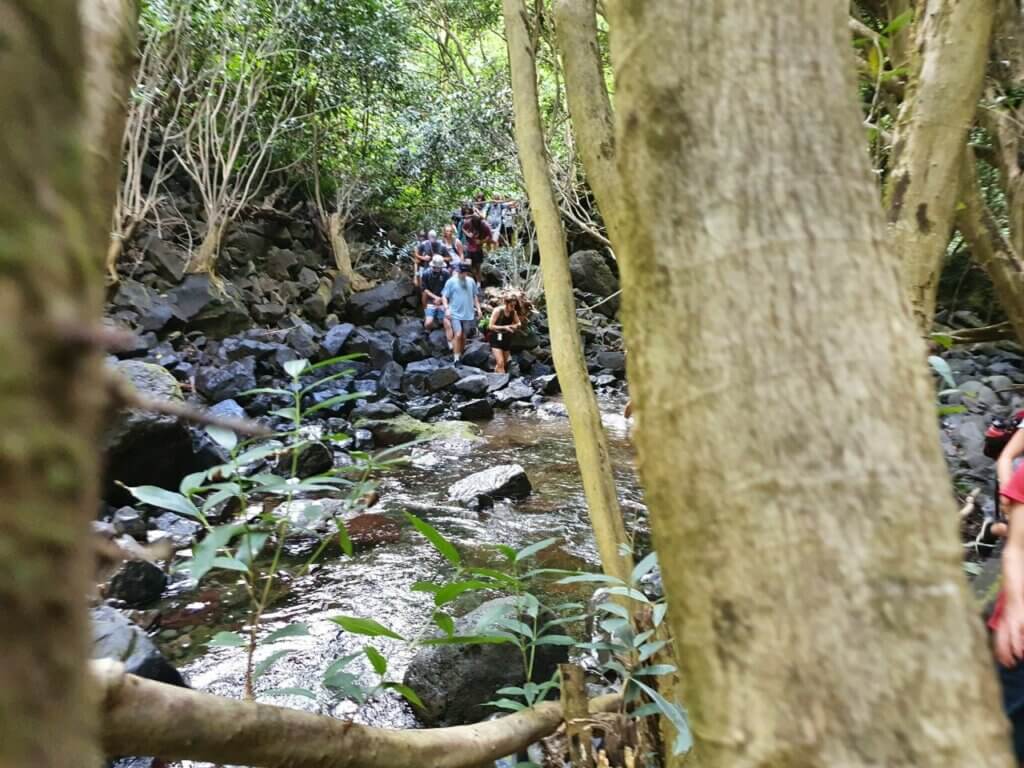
434, 280
430, 248
476, 236
460, 293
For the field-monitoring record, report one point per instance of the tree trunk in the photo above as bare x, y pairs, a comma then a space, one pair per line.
204, 258
588, 433
989, 249
56, 190
786, 428
342, 257
143, 717
947, 73
589, 104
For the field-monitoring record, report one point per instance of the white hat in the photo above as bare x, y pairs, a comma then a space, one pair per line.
437, 261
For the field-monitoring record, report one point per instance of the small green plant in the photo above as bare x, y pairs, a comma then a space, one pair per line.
239, 484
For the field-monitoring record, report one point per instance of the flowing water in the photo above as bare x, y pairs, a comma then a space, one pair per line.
376, 583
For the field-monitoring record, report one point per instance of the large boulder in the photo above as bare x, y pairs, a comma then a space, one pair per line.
153, 310
591, 273
115, 637
386, 299
226, 381
335, 339
454, 681
405, 429
146, 448
137, 583
506, 481
378, 346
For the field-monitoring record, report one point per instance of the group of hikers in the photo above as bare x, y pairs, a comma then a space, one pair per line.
447, 271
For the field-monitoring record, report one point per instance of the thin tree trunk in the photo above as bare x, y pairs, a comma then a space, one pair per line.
786, 428
585, 418
204, 258
989, 248
947, 73
56, 190
143, 717
342, 256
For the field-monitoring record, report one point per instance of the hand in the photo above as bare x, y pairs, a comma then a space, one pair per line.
438, 303
1010, 635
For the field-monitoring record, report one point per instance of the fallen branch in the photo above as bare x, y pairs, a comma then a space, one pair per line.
997, 332
144, 717
126, 395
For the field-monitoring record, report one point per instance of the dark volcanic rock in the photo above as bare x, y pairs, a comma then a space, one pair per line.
202, 306
221, 382
335, 339
517, 390
384, 409
378, 346
454, 681
313, 459
302, 338
473, 385
507, 481
477, 354
613, 361
115, 637
137, 583
475, 410
591, 273
442, 378
385, 299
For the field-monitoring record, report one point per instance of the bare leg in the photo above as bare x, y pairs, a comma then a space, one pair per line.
499, 360
458, 344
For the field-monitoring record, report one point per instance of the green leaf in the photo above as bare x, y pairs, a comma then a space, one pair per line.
492, 573
942, 368
250, 545
204, 553
305, 692
227, 640
299, 629
614, 608
343, 538
219, 497
368, 627
633, 594
555, 640
449, 592
944, 340
505, 622
265, 665
192, 482
295, 368
407, 693
467, 640
229, 564
256, 454
656, 670
675, 714
158, 497
899, 23
949, 410
644, 567
659, 613
598, 578
649, 649
336, 400
425, 586
284, 413
512, 690
224, 437
380, 664
533, 549
441, 544
508, 552
265, 391
339, 664
445, 622
325, 380
515, 706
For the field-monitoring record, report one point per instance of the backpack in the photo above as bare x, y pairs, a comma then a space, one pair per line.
999, 432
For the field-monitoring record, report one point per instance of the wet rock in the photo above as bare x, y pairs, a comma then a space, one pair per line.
181, 531
517, 390
129, 522
408, 350
221, 382
591, 273
425, 408
612, 361
475, 410
383, 409
604, 380
391, 378
454, 681
145, 448
405, 429
371, 530
335, 339
496, 381
414, 379
548, 385
137, 583
474, 386
115, 637
507, 481
378, 346
437, 343
387, 298
313, 459
441, 378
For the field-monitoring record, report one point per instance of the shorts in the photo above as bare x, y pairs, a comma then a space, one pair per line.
463, 327
1012, 683
433, 311
501, 340
476, 258
1015, 488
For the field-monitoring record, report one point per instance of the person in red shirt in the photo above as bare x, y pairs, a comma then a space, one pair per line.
1007, 619
477, 234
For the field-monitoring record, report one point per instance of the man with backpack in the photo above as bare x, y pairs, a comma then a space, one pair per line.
432, 282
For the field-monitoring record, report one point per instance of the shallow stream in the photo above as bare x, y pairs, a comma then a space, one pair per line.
376, 583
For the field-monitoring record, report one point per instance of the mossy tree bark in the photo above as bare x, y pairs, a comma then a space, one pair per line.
55, 202
815, 582
588, 433
947, 70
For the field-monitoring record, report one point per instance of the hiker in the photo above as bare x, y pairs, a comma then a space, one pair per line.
425, 251
460, 219
495, 215
452, 245
477, 235
504, 323
462, 307
1007, 619
432, 282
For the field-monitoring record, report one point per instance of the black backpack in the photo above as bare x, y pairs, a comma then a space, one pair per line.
999, 432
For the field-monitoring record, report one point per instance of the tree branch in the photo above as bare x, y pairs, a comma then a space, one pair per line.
144, 717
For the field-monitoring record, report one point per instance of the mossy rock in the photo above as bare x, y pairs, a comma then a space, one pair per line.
406, 429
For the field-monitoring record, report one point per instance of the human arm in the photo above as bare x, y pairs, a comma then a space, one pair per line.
1009, 640
1004, 464
476, 300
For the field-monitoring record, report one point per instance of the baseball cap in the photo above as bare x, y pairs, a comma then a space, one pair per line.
437, 261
